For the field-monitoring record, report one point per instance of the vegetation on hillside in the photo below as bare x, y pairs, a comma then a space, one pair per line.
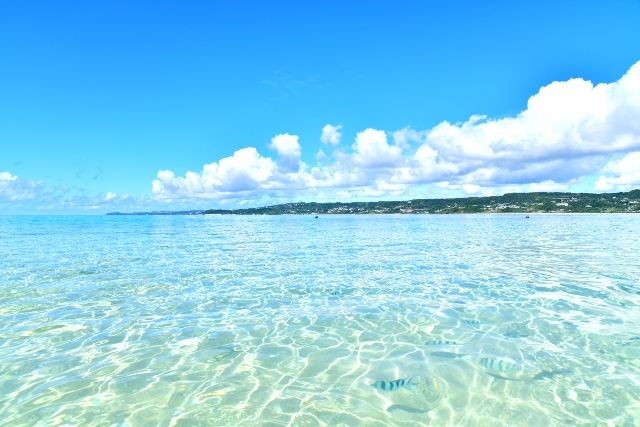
510, 202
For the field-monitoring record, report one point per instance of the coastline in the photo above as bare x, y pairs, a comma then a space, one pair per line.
521, 203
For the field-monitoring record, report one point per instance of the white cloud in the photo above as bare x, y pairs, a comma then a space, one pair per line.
621, 175
371, 150
563, 120
6, 178
331, 134
288, 148
548, 186
13, 188
245, 171
471, 188
403, 138
321, 155
18, 195
569, 130
286, 145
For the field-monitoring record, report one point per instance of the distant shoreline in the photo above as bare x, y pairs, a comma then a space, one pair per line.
520, 203
375, 213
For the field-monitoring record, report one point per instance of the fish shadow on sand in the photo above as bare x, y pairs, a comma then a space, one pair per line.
508, 370
408, 409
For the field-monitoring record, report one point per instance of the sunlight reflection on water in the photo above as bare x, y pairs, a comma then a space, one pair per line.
290, 320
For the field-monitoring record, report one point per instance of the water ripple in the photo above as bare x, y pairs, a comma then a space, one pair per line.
291, 321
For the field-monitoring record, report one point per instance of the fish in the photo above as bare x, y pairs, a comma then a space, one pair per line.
441, 342
448, 354
471, 322
409, 409
395, 384
498, 365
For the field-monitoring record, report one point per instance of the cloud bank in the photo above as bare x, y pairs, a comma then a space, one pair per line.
569, 130
15, 189
622, 174
18, 195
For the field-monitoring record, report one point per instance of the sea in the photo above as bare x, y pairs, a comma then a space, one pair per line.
340, 320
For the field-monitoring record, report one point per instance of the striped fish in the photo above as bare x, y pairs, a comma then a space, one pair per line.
441, 342
498, 365
471, 322
395, 384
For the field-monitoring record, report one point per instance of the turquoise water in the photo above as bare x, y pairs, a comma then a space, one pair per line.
489, 320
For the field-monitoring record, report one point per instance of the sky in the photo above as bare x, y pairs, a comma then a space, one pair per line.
160, 105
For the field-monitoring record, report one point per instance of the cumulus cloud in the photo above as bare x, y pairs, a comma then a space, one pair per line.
564, 119
245, 171
621, 175
548, 186
13, 188
371, 150
331, 134
321, 155
288, 148
286, 145
403, 138
569, 130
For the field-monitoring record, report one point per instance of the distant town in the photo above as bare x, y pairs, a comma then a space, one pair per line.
507, 203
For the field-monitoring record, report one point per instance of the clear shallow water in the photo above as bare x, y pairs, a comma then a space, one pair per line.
497, 320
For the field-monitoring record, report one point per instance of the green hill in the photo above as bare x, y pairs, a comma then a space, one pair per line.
510, 202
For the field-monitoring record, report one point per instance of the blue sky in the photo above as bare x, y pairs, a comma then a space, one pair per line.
100, 99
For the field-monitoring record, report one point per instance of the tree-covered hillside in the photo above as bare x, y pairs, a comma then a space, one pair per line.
510, 202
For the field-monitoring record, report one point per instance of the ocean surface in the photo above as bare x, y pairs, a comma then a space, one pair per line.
461, 320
